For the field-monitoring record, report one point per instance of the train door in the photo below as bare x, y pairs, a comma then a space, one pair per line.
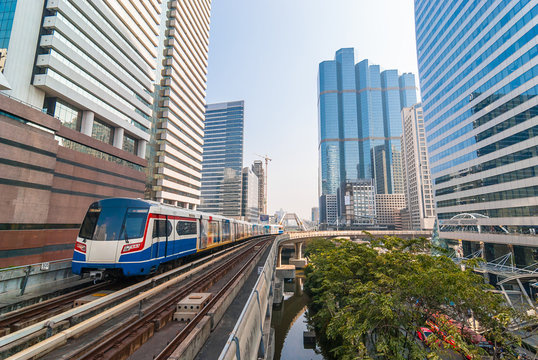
162, 229
167, 236
226, 231
204, 229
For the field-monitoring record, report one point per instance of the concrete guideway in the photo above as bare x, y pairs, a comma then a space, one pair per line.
251, 337
76, 330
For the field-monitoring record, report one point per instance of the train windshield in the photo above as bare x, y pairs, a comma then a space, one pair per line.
113, 223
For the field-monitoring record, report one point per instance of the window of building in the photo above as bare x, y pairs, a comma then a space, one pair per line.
102, 132
129, 144
68, 115
7, 12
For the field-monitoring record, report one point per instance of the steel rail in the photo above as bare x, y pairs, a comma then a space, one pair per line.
8, 320
32, 329
183, 333
99, 350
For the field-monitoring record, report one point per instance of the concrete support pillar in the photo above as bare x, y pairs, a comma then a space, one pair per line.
299, 250
86, 125
279, 257
141, 150
118, 137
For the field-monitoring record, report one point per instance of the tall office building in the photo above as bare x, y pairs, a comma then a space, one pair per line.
417, 179
181, 104
357, 202
388, 210
223, 159
258, 169
328, 210
359, 123
315, 215
107, 96
249, 208
478, 69
75, 110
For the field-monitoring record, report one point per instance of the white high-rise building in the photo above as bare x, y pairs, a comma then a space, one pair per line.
249, 209
93, 67
181, 104
418, 184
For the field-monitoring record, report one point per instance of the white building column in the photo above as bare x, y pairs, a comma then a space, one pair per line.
141, 150
86, 124
118, 137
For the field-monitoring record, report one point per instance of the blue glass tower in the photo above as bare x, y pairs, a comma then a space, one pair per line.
7, 13
360, 123
479, 79
223, 159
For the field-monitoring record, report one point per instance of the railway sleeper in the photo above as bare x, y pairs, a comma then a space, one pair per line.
161, 320
130, 344
25, 323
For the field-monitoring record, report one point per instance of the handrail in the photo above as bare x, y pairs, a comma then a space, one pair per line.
35, 264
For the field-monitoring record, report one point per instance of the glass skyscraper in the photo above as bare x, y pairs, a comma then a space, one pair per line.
478, 70
223, 159
359, 123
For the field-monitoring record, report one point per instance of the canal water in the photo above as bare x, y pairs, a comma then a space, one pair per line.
290, 322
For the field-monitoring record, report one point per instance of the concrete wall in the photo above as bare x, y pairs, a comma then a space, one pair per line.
46, 188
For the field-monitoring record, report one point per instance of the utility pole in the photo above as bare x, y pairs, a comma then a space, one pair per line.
267, 159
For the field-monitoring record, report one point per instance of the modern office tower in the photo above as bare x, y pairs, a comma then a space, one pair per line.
223, 159
75, 106
418, 186
359, 123
181, 104
357, 201
249, 210
328, 210
315, 215
388, 210
258, 169
478, 76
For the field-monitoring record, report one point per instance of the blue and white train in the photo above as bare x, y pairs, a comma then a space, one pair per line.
133, 237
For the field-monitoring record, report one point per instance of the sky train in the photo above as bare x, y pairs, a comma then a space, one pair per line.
133, 237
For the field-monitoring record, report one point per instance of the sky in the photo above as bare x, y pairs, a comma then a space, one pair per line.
267, 53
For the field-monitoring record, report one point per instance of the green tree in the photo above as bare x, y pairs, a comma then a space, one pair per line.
369, 300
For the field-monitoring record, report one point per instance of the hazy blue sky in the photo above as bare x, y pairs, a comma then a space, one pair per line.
267, 53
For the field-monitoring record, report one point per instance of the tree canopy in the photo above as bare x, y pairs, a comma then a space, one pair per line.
369, 300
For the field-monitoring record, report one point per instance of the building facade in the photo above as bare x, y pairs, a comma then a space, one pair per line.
74, 126
249, 210
328, 210
357, 203
181, 104
258, 169
106, 97
478, 75
417, 179
359, 123
389, 210
315, 215
223, 159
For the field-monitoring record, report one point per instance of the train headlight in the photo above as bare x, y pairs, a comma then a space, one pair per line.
131, 247
80, 247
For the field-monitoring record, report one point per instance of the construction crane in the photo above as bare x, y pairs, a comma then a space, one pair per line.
267, 159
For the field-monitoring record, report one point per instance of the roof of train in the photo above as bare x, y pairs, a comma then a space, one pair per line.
148, 203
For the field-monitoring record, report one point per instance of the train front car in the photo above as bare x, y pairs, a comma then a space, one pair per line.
112, 239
